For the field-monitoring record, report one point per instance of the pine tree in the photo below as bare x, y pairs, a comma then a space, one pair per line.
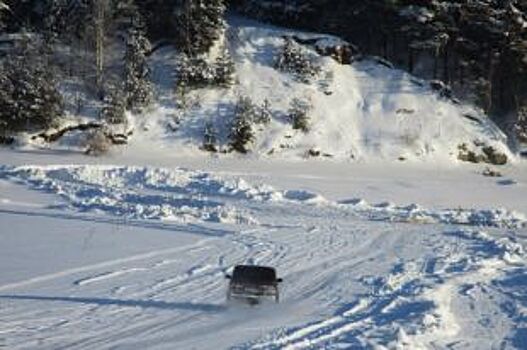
159, 18
292, 59
520, 127
126, 15
137, 84
114, 110
194, 72
77, 18
224, 69
242, 133
299, 114
198, 72
29, 96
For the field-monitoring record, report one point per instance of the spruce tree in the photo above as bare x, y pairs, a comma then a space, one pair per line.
293, 59
242, 133
114, 110
299, 114
224, 69
137, 84
29, 95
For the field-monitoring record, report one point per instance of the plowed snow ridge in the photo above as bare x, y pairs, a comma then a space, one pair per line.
184, 195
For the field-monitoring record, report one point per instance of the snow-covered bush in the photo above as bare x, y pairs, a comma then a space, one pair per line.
242, 132
29, 97
295, 60
299, 114
97, 143
481, 153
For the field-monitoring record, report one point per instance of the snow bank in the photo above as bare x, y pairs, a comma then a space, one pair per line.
138, 193
415, 214
187, 195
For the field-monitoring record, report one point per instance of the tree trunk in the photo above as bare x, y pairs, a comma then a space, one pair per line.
490, 79
436, 64
446, 69
99, 43
411, 60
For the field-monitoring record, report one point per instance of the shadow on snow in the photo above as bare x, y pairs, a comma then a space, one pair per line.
147, 304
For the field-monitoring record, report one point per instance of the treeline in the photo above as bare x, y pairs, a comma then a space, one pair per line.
479, 48
192, 24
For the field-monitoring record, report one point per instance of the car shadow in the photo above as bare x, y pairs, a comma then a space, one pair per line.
146, 304
155, 225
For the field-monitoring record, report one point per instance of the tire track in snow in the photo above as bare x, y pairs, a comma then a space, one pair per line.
411, 285
102, 265
106, 276
359, 316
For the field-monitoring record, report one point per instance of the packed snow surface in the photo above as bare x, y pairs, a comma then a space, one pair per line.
134, 257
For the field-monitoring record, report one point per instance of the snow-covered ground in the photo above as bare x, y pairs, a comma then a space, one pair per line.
133, 256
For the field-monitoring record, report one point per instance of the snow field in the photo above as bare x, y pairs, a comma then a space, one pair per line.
356, 275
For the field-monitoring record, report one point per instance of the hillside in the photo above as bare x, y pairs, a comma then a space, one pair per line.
363, 111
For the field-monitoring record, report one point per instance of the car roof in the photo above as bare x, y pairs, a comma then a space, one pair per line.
254, 274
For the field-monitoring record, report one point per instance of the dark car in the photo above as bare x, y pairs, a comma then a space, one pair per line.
253, 283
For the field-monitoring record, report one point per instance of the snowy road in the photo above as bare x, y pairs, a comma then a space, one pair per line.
134, 257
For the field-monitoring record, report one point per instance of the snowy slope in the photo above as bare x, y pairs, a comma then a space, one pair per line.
135, 256
364, 111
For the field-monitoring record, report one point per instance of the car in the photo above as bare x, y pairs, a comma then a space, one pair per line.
253, 283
